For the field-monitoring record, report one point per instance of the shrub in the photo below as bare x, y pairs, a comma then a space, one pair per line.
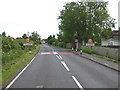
61, 44
53, 43
98, 43
88, 50
56, 43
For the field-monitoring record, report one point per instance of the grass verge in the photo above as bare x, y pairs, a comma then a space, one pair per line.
91, 51
10, 68
107, 58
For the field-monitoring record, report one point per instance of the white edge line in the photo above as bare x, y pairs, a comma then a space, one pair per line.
57, 56
63, 62
106, 64
8, 86
76, 81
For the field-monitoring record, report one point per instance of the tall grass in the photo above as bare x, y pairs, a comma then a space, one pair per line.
16, 62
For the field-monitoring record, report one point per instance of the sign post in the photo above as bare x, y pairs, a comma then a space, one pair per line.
28, 43
76, 41
83, 43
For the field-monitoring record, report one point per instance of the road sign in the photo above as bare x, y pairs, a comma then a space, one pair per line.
90, 43
76, 40
28, 42
83, 43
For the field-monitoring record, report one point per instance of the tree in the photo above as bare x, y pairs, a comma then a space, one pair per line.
67, 25
84, 20
53, 36
3, 34
106, 34
35, 37
24, 36
51, 39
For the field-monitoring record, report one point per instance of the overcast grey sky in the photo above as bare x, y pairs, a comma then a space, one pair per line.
21, 16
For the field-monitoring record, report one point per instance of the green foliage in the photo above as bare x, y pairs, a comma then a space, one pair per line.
84, 20
62, 44
35, 37
9, 43
4, 34
56, 42
88, 50
51, 39
106, 34
53, 43
13, 48
97, 43
10, 68
24, 36
11, 55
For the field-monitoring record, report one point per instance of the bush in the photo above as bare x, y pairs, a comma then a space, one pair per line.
61, 44
53, 43
97, 43
56, 43
11, 55
88, 50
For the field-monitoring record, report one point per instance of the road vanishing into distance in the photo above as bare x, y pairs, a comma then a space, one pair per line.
55, 67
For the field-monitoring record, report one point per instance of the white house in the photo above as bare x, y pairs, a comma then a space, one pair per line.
110, 42
115, 41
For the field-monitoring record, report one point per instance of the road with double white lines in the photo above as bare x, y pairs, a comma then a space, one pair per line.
55, 67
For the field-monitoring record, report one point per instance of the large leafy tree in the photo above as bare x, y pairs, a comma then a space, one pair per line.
3, 34
84, 20
35, 37
24, 36
51, 39
67, 25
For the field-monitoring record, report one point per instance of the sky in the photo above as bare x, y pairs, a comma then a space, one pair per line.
21, 16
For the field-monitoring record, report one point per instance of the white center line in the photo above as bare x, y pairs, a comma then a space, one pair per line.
76, 81
19, 74
63, 62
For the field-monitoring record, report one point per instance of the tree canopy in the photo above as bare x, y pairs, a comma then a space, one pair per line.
84, 20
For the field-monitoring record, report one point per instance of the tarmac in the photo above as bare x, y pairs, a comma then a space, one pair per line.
103, 62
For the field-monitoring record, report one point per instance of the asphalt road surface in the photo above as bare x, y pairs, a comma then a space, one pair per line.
57, 68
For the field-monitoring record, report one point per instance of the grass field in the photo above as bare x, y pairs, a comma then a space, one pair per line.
10, 68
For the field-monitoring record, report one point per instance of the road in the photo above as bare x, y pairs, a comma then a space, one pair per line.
57, 68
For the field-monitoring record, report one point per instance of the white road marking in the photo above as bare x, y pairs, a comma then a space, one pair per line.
60, 56
55, 53
19, 74
92, 58
106, 64
63, 62
76, 81
45, 53
57, 56
41, 86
